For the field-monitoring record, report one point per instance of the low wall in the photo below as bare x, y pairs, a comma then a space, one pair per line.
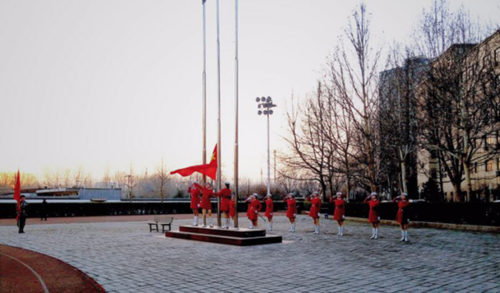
452, 213
79, 209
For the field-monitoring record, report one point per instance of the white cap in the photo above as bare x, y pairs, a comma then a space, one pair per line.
227, 182
374, 193
339, 193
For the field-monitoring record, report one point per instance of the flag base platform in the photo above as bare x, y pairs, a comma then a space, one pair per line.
240, 237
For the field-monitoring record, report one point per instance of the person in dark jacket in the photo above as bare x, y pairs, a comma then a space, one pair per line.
44, 210
22, 214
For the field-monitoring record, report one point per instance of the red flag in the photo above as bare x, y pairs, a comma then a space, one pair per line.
209, 169
17, 190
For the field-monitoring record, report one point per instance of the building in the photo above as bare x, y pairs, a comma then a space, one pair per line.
465, 84
70, 193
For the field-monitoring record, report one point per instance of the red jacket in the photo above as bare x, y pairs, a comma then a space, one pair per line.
253, 208
373, 216
195, 197
225, 195
315, 207
292, 208
402, 216
269, 208
232, 209
339, 210
207, 194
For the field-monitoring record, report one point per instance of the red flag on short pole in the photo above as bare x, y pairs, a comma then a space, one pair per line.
17, 190
209, 169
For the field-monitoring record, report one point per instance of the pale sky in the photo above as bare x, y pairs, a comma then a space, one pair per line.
107, 83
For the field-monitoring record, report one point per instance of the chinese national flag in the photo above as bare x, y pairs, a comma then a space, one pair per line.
209, 169
17, 190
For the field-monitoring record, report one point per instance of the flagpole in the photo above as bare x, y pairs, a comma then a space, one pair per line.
204, 80
236, 118
219, 146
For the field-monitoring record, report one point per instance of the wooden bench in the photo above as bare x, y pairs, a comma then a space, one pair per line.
162, 221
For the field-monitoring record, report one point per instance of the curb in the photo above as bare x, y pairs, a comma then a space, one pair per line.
435, 225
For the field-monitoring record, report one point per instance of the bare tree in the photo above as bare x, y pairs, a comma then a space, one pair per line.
353, 73
130, 183
162, 176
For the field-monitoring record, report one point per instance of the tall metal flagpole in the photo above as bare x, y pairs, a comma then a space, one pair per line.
219, 147
268, 155
236, 118
204, 78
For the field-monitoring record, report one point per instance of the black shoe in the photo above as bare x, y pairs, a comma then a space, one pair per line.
21, 232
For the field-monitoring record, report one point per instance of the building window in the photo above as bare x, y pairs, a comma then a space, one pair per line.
433, 174
489, 165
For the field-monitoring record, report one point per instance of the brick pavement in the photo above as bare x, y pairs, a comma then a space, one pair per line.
125, 257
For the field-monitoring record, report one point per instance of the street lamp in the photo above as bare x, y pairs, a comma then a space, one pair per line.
266, 104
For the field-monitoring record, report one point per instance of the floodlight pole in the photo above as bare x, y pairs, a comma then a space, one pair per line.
267, 104
268, 157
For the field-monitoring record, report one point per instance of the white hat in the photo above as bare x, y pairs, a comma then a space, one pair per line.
227, 182
339, 193
374, 193
404, 193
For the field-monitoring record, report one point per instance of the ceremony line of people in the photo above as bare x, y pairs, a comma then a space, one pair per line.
228, 210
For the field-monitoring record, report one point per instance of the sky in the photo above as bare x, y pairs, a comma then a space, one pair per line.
106, 84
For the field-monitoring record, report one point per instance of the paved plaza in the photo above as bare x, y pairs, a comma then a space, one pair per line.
126, 257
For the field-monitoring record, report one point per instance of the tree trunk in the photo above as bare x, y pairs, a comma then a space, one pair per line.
403, 172
456, 192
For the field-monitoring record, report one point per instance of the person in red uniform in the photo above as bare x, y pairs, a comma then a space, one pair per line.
206, 206
269, 211
315, 210
291, 212
232, 210
254, 208
373, 216
402, 216
225, 195
339, 214
195, 201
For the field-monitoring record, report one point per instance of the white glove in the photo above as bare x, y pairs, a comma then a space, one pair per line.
319, 215
343, 217
294, 215
198, 205
379, 218
271, 214
256, 212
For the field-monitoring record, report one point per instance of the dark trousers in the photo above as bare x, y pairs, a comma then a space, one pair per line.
21, 224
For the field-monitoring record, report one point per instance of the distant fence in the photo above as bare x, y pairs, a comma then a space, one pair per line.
453, 213
79, 209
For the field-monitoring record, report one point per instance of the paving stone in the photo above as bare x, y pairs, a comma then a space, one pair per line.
125, 257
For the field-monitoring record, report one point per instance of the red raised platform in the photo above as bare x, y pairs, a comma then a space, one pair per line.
240, 237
